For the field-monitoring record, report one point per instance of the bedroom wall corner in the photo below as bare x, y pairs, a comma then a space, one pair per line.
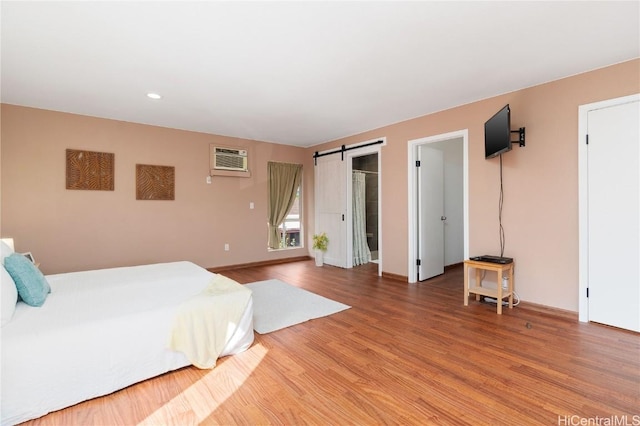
71, 230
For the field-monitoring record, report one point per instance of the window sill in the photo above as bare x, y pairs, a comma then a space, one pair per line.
284, 249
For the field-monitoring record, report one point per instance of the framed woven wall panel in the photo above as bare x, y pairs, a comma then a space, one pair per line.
155, 182
90, 170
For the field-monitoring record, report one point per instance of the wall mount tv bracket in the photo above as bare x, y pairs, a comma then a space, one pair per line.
520, 133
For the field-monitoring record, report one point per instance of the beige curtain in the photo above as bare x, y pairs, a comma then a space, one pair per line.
284, 180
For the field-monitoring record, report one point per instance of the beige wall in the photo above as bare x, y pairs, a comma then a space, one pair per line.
69, 230
75, 230
540, 214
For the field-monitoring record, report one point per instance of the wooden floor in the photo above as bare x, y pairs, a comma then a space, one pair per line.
404, 354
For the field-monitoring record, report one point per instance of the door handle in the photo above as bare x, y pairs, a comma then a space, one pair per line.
443, 218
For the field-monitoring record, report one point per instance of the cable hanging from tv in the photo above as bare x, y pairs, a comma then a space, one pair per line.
497, 141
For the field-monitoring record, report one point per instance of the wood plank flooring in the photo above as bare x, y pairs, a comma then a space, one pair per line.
403, 354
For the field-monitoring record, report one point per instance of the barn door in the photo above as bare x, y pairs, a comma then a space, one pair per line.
331, 202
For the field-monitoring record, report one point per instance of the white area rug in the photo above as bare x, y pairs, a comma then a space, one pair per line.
278, 305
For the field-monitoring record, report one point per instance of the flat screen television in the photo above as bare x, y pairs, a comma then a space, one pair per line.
497, 133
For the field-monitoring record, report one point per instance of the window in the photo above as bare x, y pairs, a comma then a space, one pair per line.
289, 229
284, 205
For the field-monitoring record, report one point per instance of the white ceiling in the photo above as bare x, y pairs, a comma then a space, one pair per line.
297, 73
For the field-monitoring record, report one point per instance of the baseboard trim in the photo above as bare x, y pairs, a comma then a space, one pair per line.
452, 266
552, 310
395, 277
261, 263
559, 312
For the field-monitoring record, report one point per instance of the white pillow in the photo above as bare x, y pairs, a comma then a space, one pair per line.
5, 251
8, 296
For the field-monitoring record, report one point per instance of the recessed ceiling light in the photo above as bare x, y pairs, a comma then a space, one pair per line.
154, 96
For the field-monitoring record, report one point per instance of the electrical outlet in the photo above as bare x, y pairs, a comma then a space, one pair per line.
226, 247
209, 180
251, 205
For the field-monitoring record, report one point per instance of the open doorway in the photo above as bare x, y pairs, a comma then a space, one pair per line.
366, 162
454, 219
364, 175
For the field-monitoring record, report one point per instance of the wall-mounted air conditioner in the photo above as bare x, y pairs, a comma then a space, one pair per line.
229, 159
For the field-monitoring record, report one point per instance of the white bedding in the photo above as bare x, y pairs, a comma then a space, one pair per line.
98, 331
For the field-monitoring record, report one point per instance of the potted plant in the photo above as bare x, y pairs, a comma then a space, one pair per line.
320, 243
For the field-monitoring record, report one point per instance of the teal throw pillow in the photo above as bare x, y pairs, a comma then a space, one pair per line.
32, 286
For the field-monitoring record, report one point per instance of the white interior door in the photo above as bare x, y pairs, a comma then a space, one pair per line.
613, 161
331, 201
430, 213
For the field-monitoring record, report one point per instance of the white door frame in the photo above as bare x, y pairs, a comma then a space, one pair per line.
412, 176
583, 207
359, 152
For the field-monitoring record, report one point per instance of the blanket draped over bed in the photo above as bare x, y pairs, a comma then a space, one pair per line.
102, 330
204, 323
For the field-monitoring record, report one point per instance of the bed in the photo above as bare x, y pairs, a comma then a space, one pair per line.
100, 331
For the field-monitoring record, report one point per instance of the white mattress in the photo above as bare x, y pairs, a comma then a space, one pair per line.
98, 331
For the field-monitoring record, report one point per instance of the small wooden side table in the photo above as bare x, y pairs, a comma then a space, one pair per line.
498, 293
